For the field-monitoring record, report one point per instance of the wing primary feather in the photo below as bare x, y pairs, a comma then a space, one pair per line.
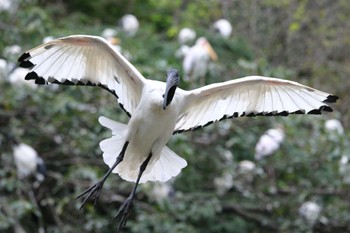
24, 61
280, 99
75, 53
59, 69
331, 99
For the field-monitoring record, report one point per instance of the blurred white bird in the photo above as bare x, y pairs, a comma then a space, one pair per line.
16, 78
182, 51
246, 167
11, 52
4, 69
6, 5
223, 27
47, 39
310, 211
268, 143
186, 35
195, 63
129, 24
223, 183
28, 162
109, 33
334, 125
161, 191
137, 151
244, 176
344, 168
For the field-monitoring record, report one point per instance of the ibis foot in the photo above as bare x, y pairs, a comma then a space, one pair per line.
124, 212
93, 192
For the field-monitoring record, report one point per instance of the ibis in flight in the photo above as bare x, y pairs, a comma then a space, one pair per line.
137, 151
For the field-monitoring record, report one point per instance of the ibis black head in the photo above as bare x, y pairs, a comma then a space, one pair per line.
172, 81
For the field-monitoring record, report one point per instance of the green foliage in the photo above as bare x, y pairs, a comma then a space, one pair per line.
297, 40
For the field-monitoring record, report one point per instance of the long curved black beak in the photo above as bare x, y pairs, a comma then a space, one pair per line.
172, 81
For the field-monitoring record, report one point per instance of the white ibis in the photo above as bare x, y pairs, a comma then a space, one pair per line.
157, 110
268, 143
195, 63
223, 27
186, 35
129, 24
28, 162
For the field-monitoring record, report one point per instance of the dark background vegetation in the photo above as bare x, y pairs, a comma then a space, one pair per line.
300, 40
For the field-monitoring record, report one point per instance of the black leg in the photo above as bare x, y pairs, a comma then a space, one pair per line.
95, 189
125, 207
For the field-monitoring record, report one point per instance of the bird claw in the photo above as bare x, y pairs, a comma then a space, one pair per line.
124, 212
94, 192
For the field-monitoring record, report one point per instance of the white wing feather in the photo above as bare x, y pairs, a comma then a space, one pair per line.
249, 96
85, 60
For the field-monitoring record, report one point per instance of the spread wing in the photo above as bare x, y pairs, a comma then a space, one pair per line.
250, 96
85, 60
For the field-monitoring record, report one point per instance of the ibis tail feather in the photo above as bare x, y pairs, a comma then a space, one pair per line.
166, 166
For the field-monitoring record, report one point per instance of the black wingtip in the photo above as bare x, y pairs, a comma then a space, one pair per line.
40, 81
315, 112
34, 76
31, 75
331, 99
24, 61
23, 57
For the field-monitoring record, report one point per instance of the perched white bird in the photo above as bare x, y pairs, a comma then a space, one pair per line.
16, 78
268, 143
244, 176
334, 125
223, 183
344, 168
246, 166
182, 51
109, 33
12, 51
223, 27
28, 162
186, 35
47, 39
6, 5
161, 191
157, 110
195, 63
129, 24
3, 69
310, 211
